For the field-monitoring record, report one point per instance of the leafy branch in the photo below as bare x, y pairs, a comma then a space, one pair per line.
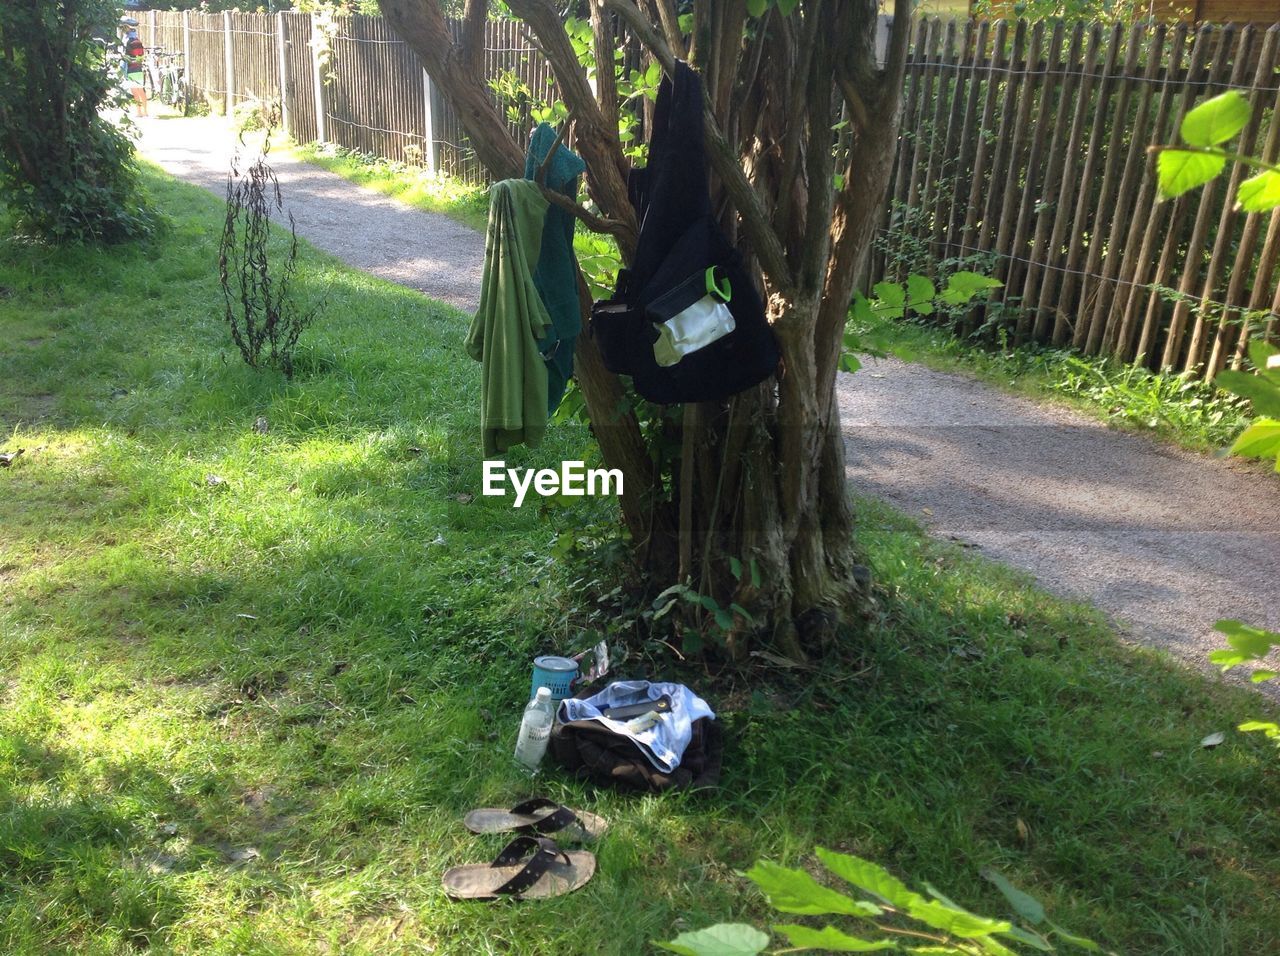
1202, 157
941, 926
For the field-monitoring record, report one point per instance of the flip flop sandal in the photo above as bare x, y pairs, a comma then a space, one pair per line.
540, 817
528, 868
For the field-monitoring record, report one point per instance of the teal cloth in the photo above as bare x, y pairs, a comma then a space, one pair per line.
556, 274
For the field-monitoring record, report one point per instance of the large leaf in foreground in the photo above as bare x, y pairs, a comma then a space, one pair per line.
1180, 170
1216, 120
795, 891
1258, 389
723, 939
1259, 193
831, 940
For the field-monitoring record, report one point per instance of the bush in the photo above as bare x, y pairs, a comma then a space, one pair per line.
66, 171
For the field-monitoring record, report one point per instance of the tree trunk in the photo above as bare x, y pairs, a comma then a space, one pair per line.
753, 514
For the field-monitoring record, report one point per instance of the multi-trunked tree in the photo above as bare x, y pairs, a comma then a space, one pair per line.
757, 481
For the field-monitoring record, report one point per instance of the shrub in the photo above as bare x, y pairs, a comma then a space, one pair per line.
66, 171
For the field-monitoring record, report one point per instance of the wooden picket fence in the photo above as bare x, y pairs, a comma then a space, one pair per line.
1025, 153
351, 81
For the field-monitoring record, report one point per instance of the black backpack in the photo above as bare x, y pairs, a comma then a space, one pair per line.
679, 240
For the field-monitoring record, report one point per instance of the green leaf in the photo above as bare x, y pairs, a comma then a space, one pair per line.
862, 312
786, 6
1264, 394
1228, 659
1028, 907
724, 620
1216, 120
1259, 193
1265, 726
755, 573
795, 891
849, 362
735, 568
1262, 354
1031, 938
723, 939
960, 922
870, 877
757, 7
890, 293
1077, 941
1261, 675
962, 286
920, 293
1259, 440
891, 299
1253, 641
708, 602
830, 939
1179, 170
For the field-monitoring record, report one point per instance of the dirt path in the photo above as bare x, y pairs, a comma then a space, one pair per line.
1164, 541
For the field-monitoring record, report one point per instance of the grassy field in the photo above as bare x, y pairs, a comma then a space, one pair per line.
247, 716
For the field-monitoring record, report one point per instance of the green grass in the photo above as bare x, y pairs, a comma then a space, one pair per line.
248, 718
412, 185
1174, 407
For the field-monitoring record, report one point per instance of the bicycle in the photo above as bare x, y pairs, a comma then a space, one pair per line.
165, 78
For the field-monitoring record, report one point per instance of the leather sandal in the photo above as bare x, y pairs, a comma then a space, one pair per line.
538, 817
527, 868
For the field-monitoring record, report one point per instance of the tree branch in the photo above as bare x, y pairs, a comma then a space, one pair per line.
474, 18
816, 243
670, 23
540, 174
896, 59
613, 227
724, 160
596, 140
423, 27
602, 43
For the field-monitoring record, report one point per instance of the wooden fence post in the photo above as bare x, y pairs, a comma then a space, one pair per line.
151, 22
318, 70
228, 61
429, 131
283, 60
186, 44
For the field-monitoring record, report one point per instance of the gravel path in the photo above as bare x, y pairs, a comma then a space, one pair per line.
1165, 541
366, 229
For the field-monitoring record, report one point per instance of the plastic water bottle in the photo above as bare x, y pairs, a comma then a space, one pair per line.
535, 729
